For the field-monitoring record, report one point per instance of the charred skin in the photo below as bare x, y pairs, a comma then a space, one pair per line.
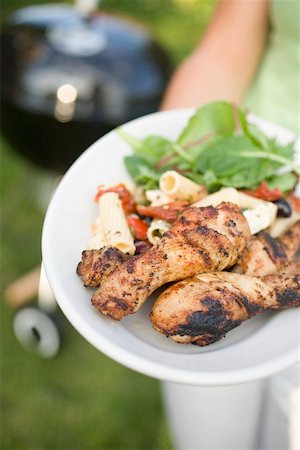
202, 309
95, 265
291, 241
286, 286
201, 240
265, 255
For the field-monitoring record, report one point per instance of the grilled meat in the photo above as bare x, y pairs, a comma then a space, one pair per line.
201, 240
202, 309
291, 241
265, 255
95, 265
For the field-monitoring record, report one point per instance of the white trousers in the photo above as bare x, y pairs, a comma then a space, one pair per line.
260, 415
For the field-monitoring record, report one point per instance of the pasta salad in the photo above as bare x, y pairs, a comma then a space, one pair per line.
219, 156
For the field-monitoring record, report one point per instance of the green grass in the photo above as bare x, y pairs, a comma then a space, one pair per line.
81, 399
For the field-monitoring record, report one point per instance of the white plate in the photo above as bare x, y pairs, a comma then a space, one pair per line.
257, 348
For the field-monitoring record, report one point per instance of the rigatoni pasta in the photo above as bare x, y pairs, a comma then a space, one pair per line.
157, 229
97, 227
260, 214
115, 227
98, 240
179, 187
156, 197
282, 224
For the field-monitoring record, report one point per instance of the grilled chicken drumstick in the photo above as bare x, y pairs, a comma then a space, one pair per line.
201, 240
202, 309
265, 255
95, 265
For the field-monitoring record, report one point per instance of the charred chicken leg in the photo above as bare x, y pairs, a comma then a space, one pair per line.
201, 240
265, 255
95, 265
202, 309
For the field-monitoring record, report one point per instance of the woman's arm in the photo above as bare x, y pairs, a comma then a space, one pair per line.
223, 64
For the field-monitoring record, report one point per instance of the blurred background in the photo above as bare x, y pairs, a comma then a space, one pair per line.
79, 399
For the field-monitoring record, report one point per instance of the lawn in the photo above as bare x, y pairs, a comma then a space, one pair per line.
81, 399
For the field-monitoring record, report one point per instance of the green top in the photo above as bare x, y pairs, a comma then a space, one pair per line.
275, 92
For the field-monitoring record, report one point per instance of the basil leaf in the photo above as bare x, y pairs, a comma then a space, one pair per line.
218, 147
211, 181
152, 149
226, 158
286, 151
142, 172
213, 119
285, 182
255, 135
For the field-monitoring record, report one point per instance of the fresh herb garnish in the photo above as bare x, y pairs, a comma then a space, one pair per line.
218, 147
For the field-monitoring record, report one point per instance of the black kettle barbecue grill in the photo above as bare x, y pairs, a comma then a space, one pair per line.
70, 77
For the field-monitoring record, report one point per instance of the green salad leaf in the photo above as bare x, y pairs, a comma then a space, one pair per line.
213, 119
152, 149
285, 182
142, 172
218, 147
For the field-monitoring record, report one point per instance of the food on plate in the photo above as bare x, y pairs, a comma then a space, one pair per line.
138, 227
157, 229
260, 214
202, 309
219, 197
111, 226
218, 147
265, 255
201, 240
168, 211
123, 193
95, 265
179, 187
284, 208
283, 224
156, 197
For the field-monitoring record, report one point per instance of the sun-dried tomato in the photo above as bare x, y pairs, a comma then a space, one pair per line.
125, 196
265, 193
168, 212
138, 227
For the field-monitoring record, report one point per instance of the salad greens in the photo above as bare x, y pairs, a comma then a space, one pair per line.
218, 147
